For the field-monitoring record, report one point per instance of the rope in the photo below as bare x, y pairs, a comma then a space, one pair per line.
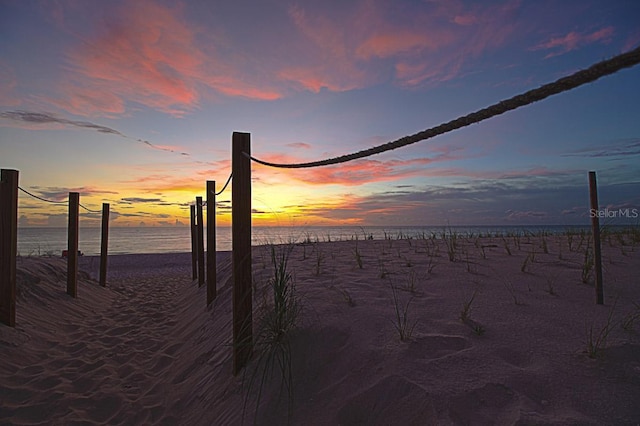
564, 84
55, 202
225, 185
40, 198
89, 210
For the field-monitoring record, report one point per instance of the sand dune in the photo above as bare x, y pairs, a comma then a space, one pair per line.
146, 349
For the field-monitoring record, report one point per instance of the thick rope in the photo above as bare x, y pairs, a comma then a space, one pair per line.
56, 202
225, 185
40, 198
564, 84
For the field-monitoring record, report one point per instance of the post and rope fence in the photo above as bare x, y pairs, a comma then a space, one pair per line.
203, 262
9, 240
241, 202
241, 188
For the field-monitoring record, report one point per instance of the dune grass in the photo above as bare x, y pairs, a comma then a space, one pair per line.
403, 325
277, 319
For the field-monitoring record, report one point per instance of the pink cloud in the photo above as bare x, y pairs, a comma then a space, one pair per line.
574, 40
384, 45
150, 55
326, 61
146, 56
434, 47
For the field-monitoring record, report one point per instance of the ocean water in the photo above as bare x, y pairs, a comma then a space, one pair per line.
129, 240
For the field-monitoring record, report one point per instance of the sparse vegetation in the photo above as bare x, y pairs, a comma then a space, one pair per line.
358, 256
401, 322
451, 242
597, 339
512, 291
506, 246
465, 313
277, 318
319, 259
629, 319
525, 264
587, 265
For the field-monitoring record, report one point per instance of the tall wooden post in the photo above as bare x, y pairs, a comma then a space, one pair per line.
200, 243
72, 244
104, 244
194, 247
241, 245
595, 228
211, 242
8, 245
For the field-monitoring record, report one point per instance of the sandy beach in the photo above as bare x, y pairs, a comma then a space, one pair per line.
495, 330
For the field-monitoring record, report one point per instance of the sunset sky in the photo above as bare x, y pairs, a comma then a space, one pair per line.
134, 103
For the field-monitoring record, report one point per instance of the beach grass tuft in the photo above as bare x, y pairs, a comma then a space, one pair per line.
358, 256
596, 339
276, 321
465, 313
401, 322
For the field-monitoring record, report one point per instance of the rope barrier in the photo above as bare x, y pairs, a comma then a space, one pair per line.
89, 210
564, 84
40, 198
225, 185
55, 202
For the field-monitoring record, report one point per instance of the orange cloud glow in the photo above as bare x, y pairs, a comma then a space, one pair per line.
355, 172
393, 43
150, 55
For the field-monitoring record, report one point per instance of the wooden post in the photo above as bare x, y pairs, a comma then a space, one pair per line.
200, 244
595, 229
72, 245
241, 245
211, 242
194, 247
104, 244
8, 245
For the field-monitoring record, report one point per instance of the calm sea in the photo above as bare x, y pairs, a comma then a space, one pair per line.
127, 240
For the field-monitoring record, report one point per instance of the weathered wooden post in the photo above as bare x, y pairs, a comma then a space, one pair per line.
72, 244
104, 244
200, 243
241, 245
211, 242
595, 229
8, 245
194, 248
